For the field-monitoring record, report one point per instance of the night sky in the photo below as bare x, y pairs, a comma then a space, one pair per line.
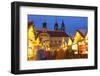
72, 23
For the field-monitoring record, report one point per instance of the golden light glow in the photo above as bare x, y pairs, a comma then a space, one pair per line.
65, 48
64, 44
75, 47
86, 38
33, 42
41, 40
78, 37
75, 52
70, 41
58, 49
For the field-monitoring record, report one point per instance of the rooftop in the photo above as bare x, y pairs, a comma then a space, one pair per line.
55, 33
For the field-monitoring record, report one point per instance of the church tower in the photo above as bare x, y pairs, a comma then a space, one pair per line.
44, 26
63, 26
56, 25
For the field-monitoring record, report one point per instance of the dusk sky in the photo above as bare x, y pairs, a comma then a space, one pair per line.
72, 23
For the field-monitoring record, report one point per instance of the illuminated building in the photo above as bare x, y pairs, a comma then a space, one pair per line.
70, 42
77, 40
53, 39
83, 45
33, 41
43, 42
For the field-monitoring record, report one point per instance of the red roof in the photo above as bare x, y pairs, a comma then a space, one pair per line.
55, 33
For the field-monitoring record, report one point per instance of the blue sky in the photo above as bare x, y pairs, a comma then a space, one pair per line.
72, 23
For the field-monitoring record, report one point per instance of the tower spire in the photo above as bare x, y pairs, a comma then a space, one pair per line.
63, 26
44, 26
56, 25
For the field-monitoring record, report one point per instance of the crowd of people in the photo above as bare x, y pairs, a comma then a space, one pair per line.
42, 54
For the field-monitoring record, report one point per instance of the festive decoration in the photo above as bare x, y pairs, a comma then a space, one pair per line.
44, 44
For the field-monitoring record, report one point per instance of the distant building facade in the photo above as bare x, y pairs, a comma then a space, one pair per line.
53, 39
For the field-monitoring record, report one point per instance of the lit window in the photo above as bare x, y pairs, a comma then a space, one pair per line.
75, 47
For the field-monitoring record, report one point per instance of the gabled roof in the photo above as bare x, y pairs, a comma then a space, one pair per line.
55, 33
70, 41
86, 35
80, 33
78, 36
